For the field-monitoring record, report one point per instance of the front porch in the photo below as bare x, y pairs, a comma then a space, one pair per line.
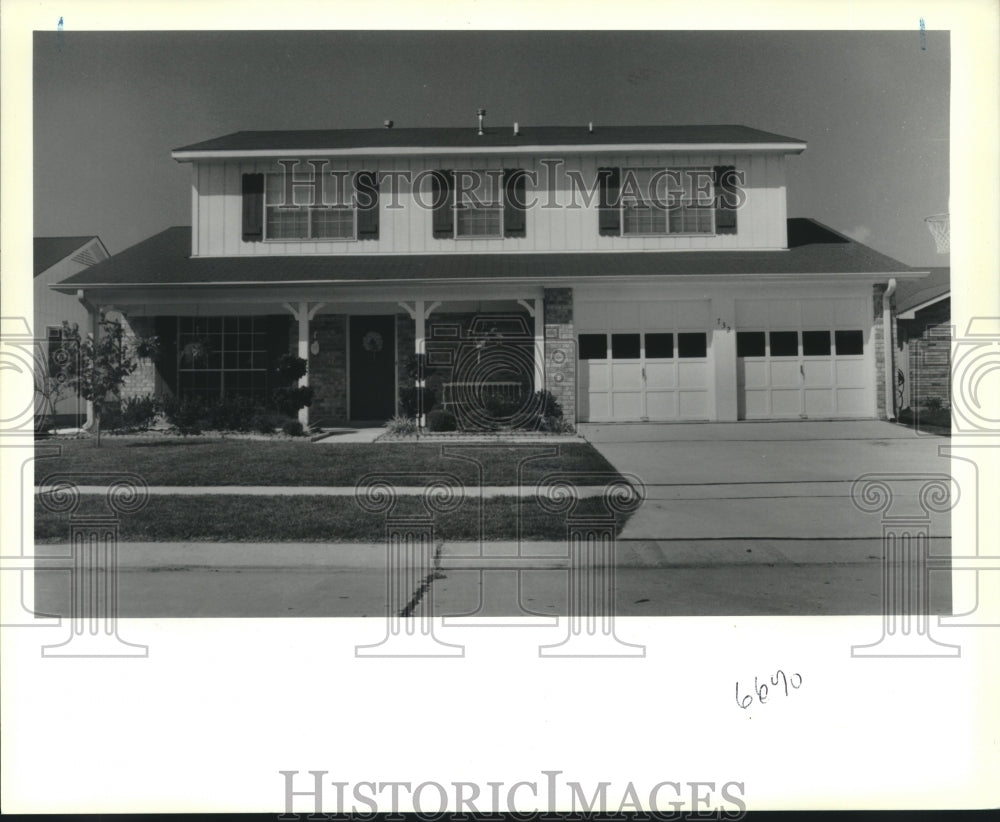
481, 358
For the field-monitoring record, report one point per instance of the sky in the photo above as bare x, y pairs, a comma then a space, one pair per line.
872, 106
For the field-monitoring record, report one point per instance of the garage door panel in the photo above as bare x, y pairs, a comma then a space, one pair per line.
626, 405
850, 372
661, 405
626, 376
756, 403
852, 402
755, 373
819, 402
817, 372
692, 405
785, 373
692, 374
660, 375
594, 376
785, 402
598, 407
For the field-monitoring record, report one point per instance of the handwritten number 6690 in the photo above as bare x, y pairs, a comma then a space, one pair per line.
762, 690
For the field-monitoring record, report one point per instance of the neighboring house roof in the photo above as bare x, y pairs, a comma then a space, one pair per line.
52, 250
914, 296
493, 137
164, 260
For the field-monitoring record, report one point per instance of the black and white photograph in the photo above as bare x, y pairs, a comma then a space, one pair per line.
403, 383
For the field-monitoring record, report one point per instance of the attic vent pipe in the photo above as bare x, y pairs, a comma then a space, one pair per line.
481, 113
590, 127
388, 123
516, 130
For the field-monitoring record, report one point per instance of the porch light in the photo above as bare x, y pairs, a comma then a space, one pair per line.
314, 345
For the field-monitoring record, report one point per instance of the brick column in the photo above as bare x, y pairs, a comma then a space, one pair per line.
878, 343
560, 349
143, 381
328, 369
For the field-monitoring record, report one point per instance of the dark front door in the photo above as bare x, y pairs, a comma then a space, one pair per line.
373, 367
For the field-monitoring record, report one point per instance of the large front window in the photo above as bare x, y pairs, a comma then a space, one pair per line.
657, 201
301, 219
221, 356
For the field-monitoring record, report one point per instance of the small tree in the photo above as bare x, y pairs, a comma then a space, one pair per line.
97, 369
288, 397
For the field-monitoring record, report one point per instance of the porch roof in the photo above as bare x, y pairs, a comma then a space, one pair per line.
164, 260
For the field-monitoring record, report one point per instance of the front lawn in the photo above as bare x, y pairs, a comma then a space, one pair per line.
306, 519
206, 461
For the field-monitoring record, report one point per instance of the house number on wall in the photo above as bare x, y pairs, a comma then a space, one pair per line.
720, 324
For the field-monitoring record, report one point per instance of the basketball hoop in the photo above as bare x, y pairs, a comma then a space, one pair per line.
938, 225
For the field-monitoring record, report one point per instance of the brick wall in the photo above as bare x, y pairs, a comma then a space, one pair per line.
878, 341
328, 369
560, 349
145, 380
406, 335
930, 336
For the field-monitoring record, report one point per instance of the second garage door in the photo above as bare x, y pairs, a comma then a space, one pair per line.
643, 360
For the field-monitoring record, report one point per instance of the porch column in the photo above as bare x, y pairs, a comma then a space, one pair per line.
303, 314
420, 313
536, 311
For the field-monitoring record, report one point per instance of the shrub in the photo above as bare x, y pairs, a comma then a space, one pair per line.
933, 404
132, 414
401, 425
265, 423
289, 399
556, 425
292, 428
289, 368
232, 413
186, 414
441, 420
408, 400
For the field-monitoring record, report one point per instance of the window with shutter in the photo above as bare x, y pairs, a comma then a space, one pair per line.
514, 205
253, 207
609, 208
443, 218
366, 198
726, 199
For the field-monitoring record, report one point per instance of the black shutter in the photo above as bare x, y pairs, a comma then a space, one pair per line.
609, 212
253, 207
514, 217
366, 194
725, 199
444, 215
165, 329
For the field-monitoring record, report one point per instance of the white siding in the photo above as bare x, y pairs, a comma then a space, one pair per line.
217, 217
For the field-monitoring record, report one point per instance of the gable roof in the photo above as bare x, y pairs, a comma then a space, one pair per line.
164, 260
50, 250
458, 139
933, 288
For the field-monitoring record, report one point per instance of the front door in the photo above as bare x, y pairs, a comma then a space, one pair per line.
373, 367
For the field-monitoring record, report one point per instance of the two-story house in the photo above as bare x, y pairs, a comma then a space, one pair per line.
636, 272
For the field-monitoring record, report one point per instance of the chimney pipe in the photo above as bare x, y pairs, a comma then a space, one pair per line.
481, 114
388, 123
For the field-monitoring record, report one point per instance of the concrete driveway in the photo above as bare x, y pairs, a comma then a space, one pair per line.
768, 482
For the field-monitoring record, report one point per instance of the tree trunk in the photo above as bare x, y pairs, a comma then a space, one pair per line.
97, 427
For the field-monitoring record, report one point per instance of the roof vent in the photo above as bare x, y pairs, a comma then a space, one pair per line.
388, 123
481, 113
590, 127
517, 131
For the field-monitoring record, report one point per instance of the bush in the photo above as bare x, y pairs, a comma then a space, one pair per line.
293, 428
401, 425
933, 404
289, 368
441, 420
264, 422
233, 413
132, 414
186, 414
288, 400
408, 401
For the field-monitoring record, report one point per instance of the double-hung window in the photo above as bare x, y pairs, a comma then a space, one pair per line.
657, 201
479, 204
304, 219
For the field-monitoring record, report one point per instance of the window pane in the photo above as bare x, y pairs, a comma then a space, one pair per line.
333, 223
749, 343
645, 220
593, 346
287, 223
475, 221
784, 343
692, 345
849, 343
816, 343
659, 345
624, 346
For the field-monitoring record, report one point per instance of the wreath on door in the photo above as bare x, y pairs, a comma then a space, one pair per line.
372, 343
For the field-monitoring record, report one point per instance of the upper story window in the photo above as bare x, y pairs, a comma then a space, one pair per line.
483, 204
662, 202
281, 208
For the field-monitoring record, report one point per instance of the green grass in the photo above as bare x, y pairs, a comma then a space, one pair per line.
207, 461
305, 519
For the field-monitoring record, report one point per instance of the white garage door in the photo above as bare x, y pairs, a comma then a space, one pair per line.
643, 360
802, 358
